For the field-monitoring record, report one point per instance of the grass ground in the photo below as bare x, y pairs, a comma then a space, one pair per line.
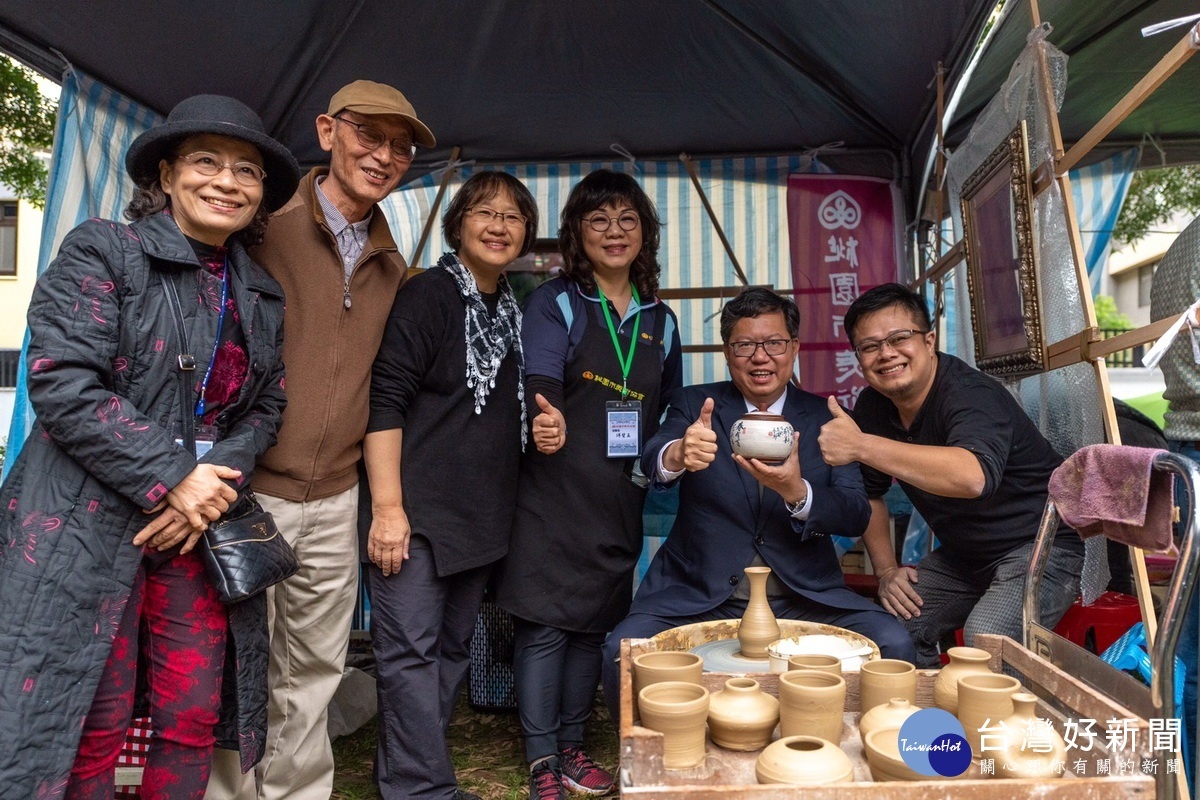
487, 749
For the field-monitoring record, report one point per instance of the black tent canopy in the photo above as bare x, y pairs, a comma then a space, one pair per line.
552, 81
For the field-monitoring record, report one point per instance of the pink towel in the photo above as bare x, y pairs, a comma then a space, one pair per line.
1115, 490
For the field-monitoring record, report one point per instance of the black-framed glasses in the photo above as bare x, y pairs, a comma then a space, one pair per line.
247, 173
372, 138
601, 222
772, 347
485, 215
872, 347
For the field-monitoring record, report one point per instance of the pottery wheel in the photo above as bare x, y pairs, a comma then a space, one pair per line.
725, 655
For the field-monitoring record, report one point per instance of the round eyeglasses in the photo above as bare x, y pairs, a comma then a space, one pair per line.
247, 173
373, 138
601, 222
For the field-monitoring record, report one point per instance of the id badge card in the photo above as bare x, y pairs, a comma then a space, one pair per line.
206, 436
624, 426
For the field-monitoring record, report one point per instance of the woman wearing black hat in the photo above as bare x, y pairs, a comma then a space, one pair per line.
100, 581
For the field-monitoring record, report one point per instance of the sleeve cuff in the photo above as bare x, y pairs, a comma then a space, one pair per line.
664, 475
801, 511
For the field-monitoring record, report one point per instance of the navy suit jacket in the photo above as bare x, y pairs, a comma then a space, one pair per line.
722, 523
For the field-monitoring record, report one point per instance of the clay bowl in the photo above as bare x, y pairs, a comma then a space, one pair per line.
767, 437
882, 747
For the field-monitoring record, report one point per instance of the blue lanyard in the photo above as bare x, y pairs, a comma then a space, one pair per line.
200, 404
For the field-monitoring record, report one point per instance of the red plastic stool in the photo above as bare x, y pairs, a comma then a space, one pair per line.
1097, 626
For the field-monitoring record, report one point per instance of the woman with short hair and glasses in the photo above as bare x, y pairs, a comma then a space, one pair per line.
602, 355
131, 328
445, 435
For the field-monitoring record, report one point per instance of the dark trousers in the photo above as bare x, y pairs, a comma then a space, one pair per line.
556, 674
879, 626
421, 627
175, 622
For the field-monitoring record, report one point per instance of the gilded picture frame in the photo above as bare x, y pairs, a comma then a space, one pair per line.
1001, 256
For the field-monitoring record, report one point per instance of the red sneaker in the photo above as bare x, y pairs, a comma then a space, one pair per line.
581, 774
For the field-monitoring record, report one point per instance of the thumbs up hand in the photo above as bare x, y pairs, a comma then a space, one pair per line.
840, 438
549, 427
698, 447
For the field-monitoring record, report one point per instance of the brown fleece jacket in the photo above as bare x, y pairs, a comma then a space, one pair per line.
328, 349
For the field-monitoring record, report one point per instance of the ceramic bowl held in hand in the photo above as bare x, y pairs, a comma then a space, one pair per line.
767, 437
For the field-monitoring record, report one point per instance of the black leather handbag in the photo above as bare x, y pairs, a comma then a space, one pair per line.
243, 551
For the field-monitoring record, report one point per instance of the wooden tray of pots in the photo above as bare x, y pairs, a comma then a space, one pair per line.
724, 773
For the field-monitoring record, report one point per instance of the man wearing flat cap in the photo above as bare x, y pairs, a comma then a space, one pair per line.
331, 249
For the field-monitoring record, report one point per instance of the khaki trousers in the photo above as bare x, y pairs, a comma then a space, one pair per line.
309, 616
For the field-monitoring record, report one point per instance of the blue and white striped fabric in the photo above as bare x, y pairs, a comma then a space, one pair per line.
87, 179
1099, 191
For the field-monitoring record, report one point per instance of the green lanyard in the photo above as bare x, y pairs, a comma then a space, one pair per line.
626, 361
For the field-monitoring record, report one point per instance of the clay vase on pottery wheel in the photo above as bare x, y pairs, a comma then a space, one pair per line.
984, 700
678, 711
1029, 746
803, 759
811, 703
741, 716
963, 661
758, 627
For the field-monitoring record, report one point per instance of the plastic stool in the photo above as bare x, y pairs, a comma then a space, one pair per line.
1097, 626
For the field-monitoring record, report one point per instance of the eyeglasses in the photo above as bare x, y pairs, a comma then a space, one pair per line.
872, 347
247, 173
772, 347
373, 138
484, 216
601, 222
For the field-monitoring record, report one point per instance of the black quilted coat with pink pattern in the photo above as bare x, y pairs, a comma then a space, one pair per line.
102, 379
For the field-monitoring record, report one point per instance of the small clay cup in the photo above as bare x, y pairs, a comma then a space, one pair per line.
984, 699
817, 661
884, 678
665, 665
811, 703
678, 711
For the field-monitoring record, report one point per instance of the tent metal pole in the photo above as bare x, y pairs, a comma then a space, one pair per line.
691, 170
451, 168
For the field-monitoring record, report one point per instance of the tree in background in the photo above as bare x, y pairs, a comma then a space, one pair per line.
1155, 195
1107, 315
26, 127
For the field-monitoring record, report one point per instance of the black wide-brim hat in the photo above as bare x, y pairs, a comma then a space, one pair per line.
223, 116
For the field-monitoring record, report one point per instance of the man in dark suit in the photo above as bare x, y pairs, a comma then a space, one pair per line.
735, 513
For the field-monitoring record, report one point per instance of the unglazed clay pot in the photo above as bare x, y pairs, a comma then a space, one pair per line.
665, 665
963, 661
984, 700
811, 703
817, 661
803, 759
678, 711
884, 678
758, 627
882, 746
741, 716
886, 715
767, 437
1029, 746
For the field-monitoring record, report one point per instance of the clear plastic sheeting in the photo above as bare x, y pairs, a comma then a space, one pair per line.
1065, 403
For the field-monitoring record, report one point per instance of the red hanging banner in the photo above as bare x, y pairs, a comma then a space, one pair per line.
845, 239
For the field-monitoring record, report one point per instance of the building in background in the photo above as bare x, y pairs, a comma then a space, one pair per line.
20, 235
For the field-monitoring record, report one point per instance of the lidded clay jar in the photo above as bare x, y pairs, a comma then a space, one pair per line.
1030, 747
803, 759
963, 661
741, 716
886, 715
767, 437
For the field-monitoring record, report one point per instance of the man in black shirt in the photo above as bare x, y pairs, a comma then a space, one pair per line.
971, 461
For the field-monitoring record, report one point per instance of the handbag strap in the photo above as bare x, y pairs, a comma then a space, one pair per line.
185, 360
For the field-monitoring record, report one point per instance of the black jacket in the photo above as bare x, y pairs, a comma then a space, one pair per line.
102, 379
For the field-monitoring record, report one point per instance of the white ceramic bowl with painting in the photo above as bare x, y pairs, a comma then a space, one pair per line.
767, 437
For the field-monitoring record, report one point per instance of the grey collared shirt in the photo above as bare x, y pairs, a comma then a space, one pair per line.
351, 236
